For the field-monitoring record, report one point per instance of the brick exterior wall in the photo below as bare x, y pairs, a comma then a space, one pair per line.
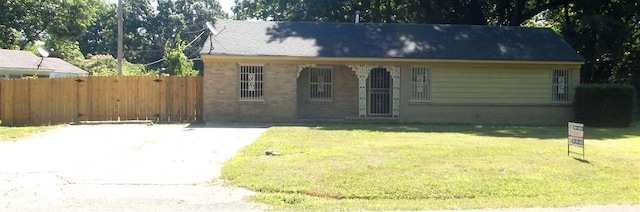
343, 104
221, 102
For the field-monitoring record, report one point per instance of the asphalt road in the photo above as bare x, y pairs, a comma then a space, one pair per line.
125, 167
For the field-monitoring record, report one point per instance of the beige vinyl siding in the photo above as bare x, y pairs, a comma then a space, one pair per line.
487, 85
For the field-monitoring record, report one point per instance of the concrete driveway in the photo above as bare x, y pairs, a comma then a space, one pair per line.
125, 167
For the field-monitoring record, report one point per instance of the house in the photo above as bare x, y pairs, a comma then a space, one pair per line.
18, 64
288, 72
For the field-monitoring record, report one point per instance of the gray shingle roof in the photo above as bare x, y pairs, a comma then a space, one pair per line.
60, 66
18, 59
419, 41
26, 60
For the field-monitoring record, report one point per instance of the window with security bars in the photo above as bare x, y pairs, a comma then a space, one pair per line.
320, 84
420, 84
560, 86
251, 82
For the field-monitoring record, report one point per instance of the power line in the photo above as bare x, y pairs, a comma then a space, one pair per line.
194, 40
154, 62
194, 31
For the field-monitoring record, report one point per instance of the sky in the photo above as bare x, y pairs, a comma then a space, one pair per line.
226, 4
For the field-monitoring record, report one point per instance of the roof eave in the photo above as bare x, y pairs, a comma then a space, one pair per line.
25, 69
351, 60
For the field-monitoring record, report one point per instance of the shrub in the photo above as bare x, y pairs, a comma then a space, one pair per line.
604, 105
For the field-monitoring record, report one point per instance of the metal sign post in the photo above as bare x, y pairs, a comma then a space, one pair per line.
576, 138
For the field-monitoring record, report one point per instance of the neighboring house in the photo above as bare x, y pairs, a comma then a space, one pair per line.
18, 64
288, 72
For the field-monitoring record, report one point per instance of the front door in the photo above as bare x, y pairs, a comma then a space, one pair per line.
379, 92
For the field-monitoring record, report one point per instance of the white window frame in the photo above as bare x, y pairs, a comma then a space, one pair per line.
251, 82
320, 91
560, 85
420, 84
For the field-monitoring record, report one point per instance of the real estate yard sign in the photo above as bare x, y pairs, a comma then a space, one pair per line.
576, 138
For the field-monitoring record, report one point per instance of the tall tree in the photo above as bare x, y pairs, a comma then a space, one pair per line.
175, 61
26, 21
187, 18
478, 12
101, 36
148, 28
607, 34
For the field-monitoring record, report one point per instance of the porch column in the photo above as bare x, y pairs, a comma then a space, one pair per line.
362, 71
395, 76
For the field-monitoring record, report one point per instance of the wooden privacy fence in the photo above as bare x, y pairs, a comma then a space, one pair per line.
61, 100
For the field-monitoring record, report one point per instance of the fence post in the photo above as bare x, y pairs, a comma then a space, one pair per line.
199, 100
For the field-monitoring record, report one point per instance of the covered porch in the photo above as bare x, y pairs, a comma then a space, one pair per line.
337, 92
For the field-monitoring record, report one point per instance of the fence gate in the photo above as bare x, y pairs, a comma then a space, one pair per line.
61, 100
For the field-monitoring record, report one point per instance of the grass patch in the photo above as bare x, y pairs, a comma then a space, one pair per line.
415, 167
11, 133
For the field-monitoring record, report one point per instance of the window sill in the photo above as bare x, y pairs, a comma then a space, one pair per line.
419, 102
262, 101
320, 101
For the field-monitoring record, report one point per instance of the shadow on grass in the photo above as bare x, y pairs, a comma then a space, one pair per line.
481, 130
582, 160
511, 131
541, 132
229, 125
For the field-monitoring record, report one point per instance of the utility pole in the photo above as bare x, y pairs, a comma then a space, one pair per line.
120, 37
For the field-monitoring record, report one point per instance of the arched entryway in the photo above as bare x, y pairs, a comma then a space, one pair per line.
384, 98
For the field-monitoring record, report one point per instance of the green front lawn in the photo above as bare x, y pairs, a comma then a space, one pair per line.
10, 133
413, 167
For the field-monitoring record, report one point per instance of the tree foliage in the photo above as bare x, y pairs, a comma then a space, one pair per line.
106, 65
187, 17
101, 37
25, 21
477, 12
175, 61
147, 28
607, 34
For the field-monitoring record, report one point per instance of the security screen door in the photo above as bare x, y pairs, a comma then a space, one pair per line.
379, 92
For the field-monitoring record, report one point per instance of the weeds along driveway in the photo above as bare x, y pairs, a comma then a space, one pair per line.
124, 167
